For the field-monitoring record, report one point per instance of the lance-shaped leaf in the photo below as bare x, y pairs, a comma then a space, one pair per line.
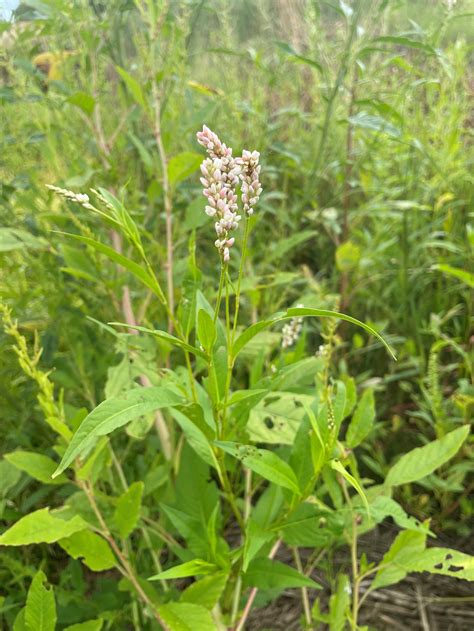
186, 617
166, 337
114, 413
264, 462
362, 420
190, 568
41, 527
337, 466
303, 312
422, 461
127, 512
35, 465
268, 574
134, 268
40, 611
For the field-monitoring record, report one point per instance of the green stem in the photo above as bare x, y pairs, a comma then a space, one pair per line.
219, 293
241, 273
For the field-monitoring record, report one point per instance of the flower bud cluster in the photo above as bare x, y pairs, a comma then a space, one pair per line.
250, 176
221, 173
291, 331
79, 198
220, 177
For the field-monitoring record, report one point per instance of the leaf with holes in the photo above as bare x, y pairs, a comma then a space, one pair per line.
264, 462
276, 419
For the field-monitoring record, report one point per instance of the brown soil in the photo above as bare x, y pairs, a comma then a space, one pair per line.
422, 602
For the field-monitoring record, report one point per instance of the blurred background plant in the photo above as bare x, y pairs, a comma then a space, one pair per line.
361, 112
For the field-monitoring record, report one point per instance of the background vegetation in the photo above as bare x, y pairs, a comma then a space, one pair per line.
361, 113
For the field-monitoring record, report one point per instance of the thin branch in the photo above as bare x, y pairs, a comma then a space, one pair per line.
253, 593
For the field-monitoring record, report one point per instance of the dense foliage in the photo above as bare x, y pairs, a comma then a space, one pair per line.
261, 419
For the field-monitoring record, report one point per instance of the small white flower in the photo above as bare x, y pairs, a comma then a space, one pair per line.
292, 330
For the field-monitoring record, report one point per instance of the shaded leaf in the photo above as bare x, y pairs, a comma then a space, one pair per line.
362, 420
269, 574
422, 461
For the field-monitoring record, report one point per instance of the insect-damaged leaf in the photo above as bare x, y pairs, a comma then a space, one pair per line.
264, 462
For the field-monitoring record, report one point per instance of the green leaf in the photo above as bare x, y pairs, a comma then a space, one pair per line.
405, 41
279, 249
19, 623
182, 166
296, 58
15, 239
422, 461
268, 574
362, 420
133, 86
135, 269
93, 550
337, 466
40, 611
114, 413
440, 561
35, 465
206, 591
347, 256
339, 604
90, 625
186, 617
206, 330
166, 337
383, 506
9, 476
255, 538
196, 434
374, 123
127, 511
190, 568
463, 275
277, 417
83, 101
41, 526
245, 395
405, 545
351, 395
264, 462
296, 312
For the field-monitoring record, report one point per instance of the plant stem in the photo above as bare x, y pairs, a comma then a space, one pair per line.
355, 566
125, 565
219, 292
253, 593
247, 510
304, 590
241, 273
340, 77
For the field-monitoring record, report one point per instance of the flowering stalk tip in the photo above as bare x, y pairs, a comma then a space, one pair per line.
221, 174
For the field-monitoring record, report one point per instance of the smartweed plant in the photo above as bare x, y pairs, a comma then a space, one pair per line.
243, 478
